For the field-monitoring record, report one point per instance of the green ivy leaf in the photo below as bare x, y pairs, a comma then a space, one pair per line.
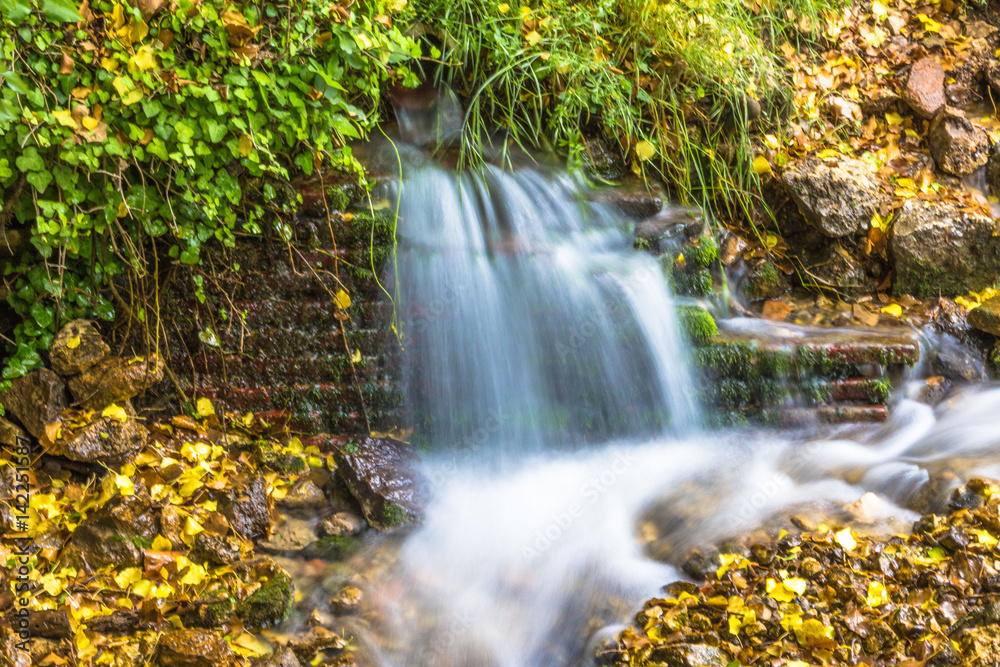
17, 82
60, 11
30, 160
14, 11
40, 179
43, 314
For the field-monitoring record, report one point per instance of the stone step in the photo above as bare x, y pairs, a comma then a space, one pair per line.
237, 370
832, 414
764, 392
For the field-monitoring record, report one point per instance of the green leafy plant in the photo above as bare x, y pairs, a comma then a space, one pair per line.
133, 135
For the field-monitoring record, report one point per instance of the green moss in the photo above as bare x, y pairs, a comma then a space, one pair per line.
815, 392
697, 324
335, 547
337, 198
142, 542
284, 464
394, 515
270, 604
641, 244
703, 252
879, 390
764, 282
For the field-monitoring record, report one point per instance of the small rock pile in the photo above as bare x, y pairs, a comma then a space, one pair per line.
831, 596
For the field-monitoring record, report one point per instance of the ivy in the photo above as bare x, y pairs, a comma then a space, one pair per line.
120, 123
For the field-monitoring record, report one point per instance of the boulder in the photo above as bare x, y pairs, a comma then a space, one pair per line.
835, 267
380, 474
212, 609
304, 496
341, 524
272, 602
689, 655
987, 316
958, 146
50, 624
939, 248
283, 657
10, 433
115, 381
308, 644
108, 536
924, 89
765, 281
77, 348
673, 222
194, 648
216, 549
289, 537
957, 362
346, 601
104, 440
835, 197
246, 506
634, 198
36, 400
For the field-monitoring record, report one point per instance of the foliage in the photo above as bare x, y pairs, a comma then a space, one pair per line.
673, 83
697, 324
129, 131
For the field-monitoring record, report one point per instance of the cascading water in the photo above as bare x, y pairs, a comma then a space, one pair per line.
549, 385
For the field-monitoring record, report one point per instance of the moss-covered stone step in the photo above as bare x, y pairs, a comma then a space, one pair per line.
764, 392
832, 414
244, 371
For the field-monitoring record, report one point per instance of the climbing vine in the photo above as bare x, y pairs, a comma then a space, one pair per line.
136, 133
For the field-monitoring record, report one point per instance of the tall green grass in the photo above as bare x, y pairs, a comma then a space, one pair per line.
674, 79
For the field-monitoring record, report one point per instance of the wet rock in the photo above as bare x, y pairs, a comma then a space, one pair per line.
120, 622
934, 390
212, 609
306, 646
50, 624
289, 536
36, 400
671, 223
115, 381
953, 539
635, 198
333, 548
42, 648
346, 601
77, 347
246, 506
958, 146
689, 655
938, 248
10, 654
987, 316
836, 267
603, 159
991, 72
983, 643
765, 281
105, 440
700, 566
924, 89
341, 524
10, 432
270, 604
305, 496
107, 537
380, 475
958, 363
194, 648
993, 170
837, 197
216, 549
284, 657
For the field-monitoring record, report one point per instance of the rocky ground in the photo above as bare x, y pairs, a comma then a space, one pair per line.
159, 542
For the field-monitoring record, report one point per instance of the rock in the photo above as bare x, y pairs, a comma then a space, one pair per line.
36, 400
246, 506
991, 72
104, 440
835, 197
689, 655
115, 381
10, 432
107, 537
603, 159
194, 648
670, 223
307, 645
834, 266
924, 90
958, 363
51, 624
957, 145
333, 548
10, 654
270, 604
842, 109
934, 390
216, 549
380, 475
288, 537
120, 622
987, 316
634, 198
982, 642
346, 601
305, 496
993, 171
938, 248
765, 281
341, 524
283, 657
77, 348
212, 609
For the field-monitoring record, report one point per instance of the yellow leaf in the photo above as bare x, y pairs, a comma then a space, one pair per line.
122, 84
73, 343
877, 594
827, 154
984, 537
64, 118
771, 141
356, 357
761, 166
787, 590
342, 299
525, 12
845, 539
364, 40
252, 645
532, 38
204, 407
125, 485
879, 10
893, 118
122, 210
812, 629
127, 577
110, 64
195, 575
89, 123
142, 588
645, 150
192, 527
503, 8
246, 145
115, 412
143, 59
893, 309
930, 25
133, 96
161, 543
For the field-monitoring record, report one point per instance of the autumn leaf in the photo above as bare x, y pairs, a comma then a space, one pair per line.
342, 299
115, 412
761, 166
204, 407
845, 539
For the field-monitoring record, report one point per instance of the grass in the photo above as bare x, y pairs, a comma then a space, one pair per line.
674, 84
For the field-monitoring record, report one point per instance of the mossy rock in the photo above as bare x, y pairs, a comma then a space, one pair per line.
765, 282
211, 610
270, 604
334, 547
703, 252
697, 324
284, 464
394, 515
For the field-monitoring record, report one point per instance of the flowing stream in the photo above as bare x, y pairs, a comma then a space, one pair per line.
552, 391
